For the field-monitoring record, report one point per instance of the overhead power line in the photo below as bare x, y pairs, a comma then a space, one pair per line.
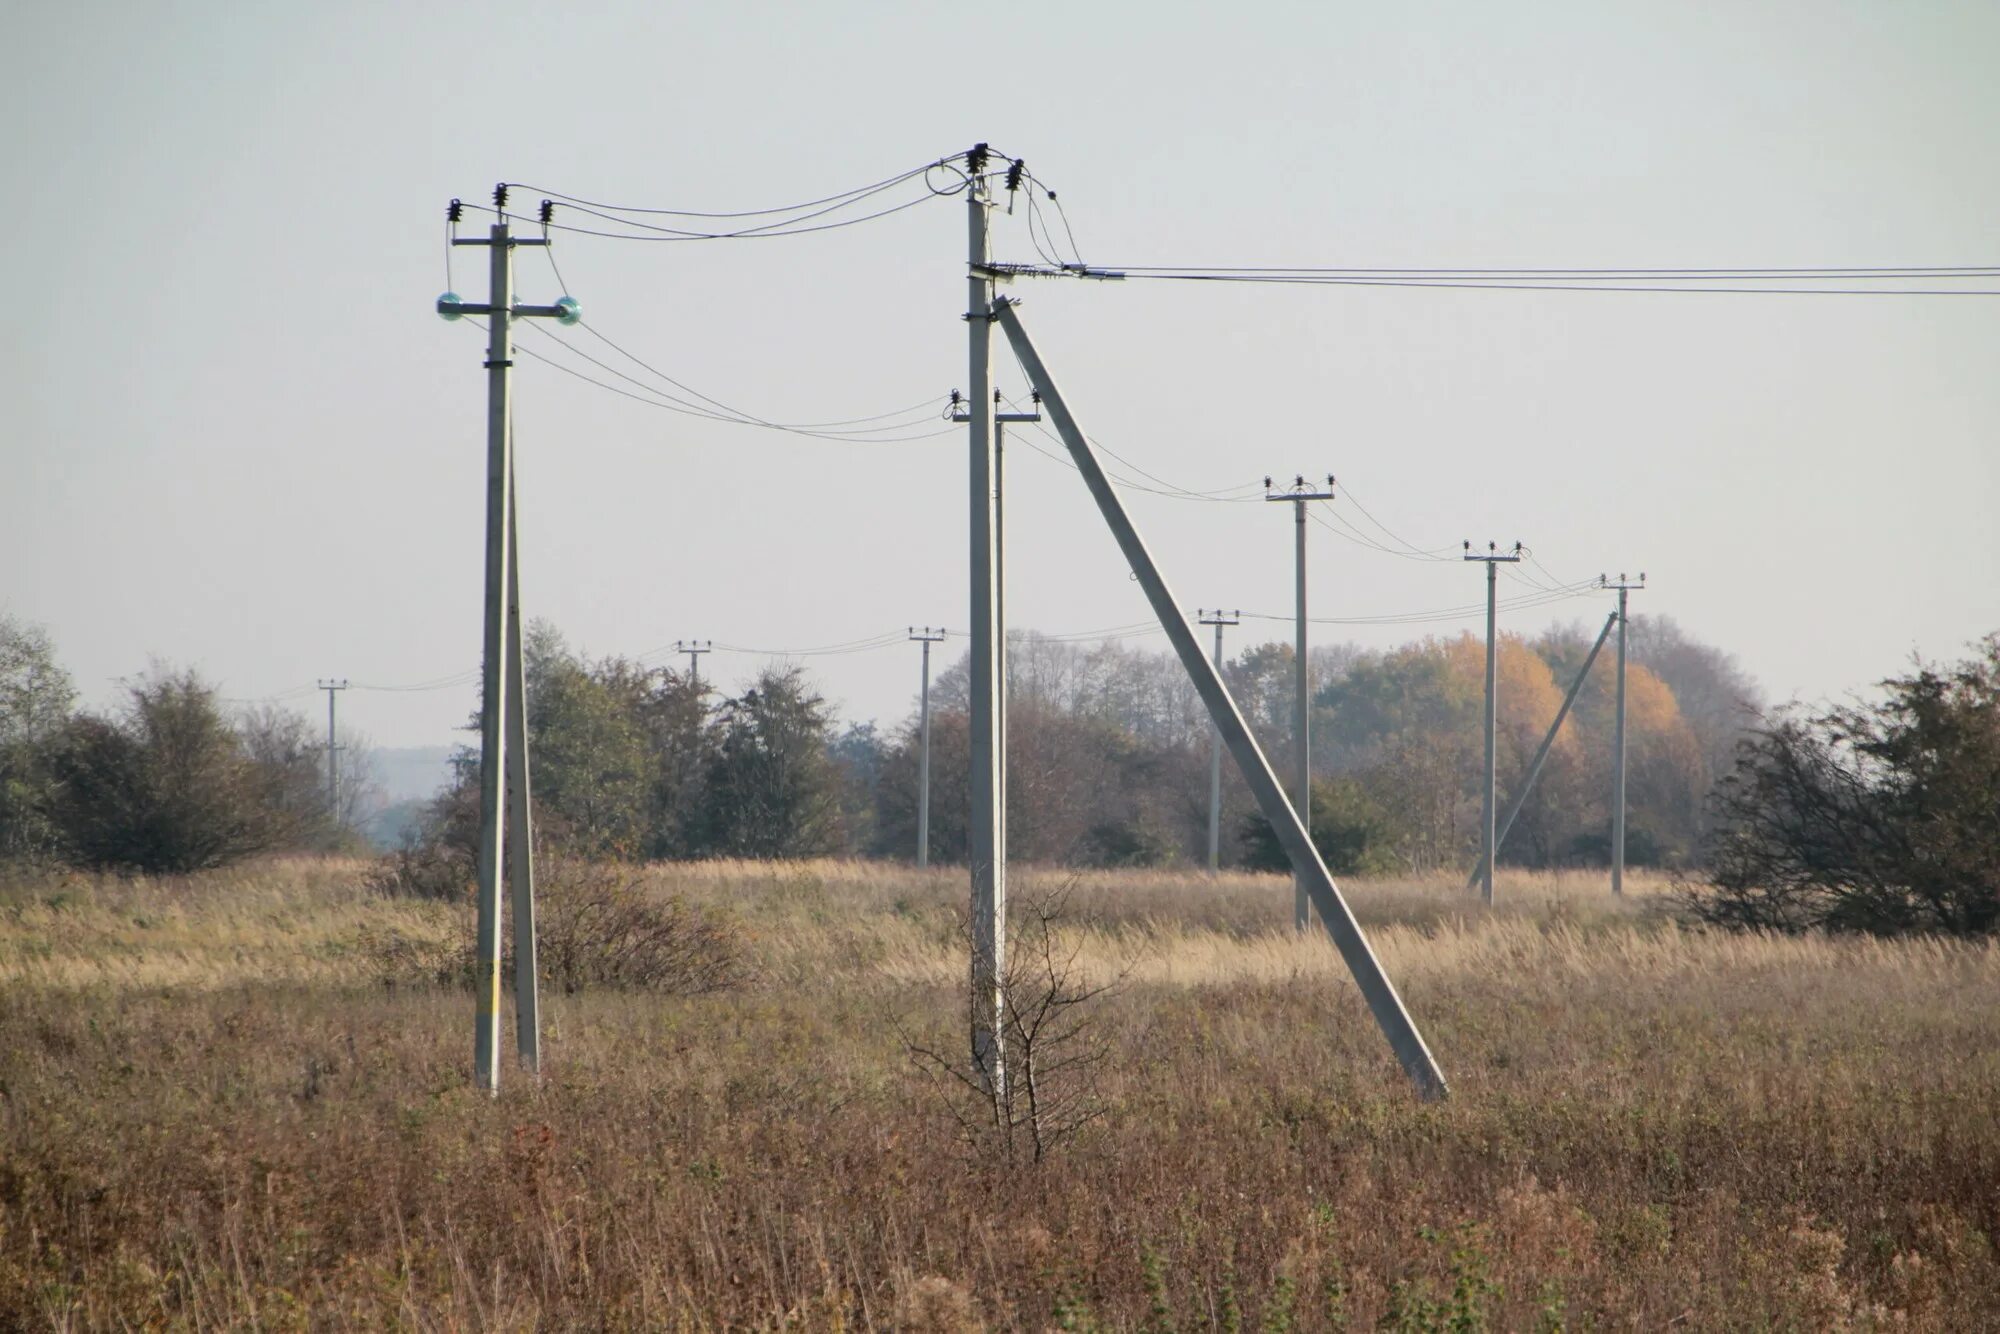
1714, 282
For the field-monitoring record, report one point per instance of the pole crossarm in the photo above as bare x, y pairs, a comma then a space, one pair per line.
1376, 988
1542, 755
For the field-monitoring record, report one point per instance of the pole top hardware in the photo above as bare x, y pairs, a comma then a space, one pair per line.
1300, 489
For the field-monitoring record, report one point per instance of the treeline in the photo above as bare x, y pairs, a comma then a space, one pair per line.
1108, 751
1108, 756
1875, 815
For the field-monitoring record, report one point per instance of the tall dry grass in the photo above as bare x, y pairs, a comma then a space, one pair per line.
215, 1110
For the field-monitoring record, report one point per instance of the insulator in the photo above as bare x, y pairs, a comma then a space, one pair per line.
548, 211
500, 196
454, 211
1014, 174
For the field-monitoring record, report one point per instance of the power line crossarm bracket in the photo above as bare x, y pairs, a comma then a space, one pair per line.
1375, 985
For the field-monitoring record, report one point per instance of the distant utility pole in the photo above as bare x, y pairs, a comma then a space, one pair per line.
926, 636
503, 731
1218, 619
1297, 494
694, 648
1494, 559
1000, 420
332, 751
1624, 588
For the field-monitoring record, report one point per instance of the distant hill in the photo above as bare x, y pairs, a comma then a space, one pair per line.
410, 773
406, 778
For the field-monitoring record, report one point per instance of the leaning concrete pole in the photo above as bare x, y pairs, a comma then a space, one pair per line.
1376, 988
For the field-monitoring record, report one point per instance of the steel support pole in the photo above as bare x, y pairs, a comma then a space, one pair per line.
924, 763
1542, 754
1487, 803
1302, 718
493, 664
1215, 777
1347, 935
985, 849
520, 816
1618, 762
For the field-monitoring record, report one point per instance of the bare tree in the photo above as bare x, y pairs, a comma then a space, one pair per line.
1054, 1045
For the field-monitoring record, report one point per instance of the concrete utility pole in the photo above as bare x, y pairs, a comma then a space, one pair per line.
332, 751
926, 636
1542, 754
1000, 685
1624, 587
1297, 494
1494, 559
503, 769
1218, 619
694, 648
986, 847
1376, 988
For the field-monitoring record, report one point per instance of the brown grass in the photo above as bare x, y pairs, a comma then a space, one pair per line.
214, 1112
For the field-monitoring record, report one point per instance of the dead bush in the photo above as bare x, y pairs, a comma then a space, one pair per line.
430, 869
600, 927
597, 925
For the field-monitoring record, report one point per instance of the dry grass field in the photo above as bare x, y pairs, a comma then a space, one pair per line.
242, 1100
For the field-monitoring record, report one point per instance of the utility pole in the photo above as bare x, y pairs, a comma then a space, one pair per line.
332, 751
1624, 587
1297, 494
502, 710
1542, 754
1218, 619
926, 636
1000, 420
694, 648
1494, 559
986, 847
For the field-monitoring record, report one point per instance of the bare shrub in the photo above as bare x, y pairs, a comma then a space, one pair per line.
597, 925
600, 927
1053, 1048
429, 869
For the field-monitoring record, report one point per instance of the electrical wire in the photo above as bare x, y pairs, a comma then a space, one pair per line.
1307, 279
1410, 548
858, 190
657, 398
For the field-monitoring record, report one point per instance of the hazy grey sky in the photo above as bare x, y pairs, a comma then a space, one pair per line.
239, 439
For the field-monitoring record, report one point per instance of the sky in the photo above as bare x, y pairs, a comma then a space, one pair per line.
239, 438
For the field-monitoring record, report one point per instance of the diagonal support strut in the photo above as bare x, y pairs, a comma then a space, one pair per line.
1375, 985
1542, 755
